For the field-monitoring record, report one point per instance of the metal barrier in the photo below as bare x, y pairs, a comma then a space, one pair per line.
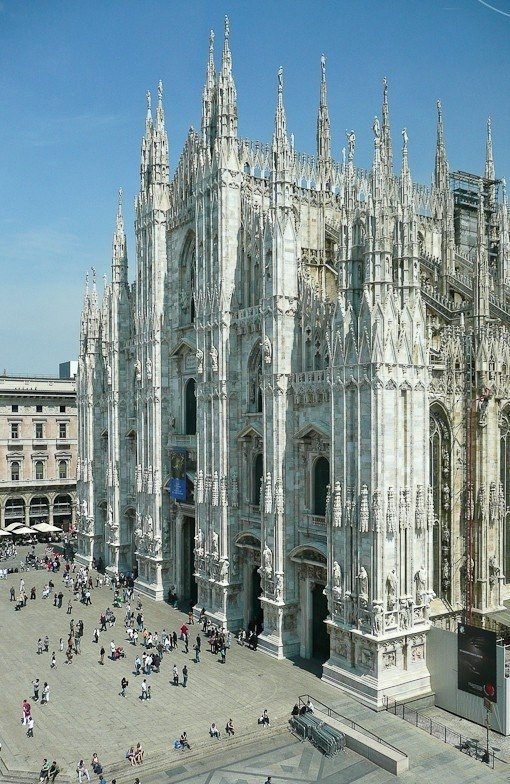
304, 698
470, 746
325, 738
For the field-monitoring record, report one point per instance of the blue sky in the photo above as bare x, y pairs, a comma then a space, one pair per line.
73, 78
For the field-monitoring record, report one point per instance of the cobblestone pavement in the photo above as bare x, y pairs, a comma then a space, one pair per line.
86, 714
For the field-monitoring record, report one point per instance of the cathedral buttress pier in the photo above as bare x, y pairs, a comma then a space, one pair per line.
380, 513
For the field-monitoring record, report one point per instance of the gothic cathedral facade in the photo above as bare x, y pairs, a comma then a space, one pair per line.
298, 414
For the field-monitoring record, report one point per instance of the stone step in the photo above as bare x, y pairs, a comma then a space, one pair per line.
166, 760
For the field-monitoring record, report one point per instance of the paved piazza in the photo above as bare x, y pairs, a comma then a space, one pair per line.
86, 714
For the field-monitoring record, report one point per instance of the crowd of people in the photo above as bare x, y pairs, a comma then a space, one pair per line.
153, 648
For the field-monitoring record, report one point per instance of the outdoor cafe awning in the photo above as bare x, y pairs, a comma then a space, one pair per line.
46, 528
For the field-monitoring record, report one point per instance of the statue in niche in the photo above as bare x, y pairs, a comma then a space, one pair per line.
215, 542
224, 567
377, 619
267, 560
109, 375
150, 526
337, 581
391, 589
267, 350
405, 613
138, 370
109, 515
420, 578
138, 532
362, 576
494, 570
148, 367
278, 587
214, 358
199, 542
200, 360
84, 508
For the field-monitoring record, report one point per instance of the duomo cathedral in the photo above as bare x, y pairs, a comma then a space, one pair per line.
297, 415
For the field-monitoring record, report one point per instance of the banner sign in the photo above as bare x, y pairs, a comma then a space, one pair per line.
476, 661
177, 484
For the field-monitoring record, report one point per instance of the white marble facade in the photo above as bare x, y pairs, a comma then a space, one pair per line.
320, 354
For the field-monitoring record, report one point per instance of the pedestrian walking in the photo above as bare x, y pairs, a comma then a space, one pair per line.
53, 661
61, 644
138, 665
123, 686
45, 694
101, 655
175, 675
30, 727
186, 642
39, 646
197, 653
148, 691
96, 635
25, 711
143, 695
46, 644
69, 607
184, 676
229, 729
36, 686
12, 594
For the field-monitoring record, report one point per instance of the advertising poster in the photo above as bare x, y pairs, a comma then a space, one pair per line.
477, 661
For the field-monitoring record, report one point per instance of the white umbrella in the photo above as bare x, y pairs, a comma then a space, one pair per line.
13, 526
22, 531
3, 532
46, 528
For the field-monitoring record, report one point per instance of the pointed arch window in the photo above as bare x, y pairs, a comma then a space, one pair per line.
187, 278
440, 481
255, 397
320, 486
190, 408
258, 473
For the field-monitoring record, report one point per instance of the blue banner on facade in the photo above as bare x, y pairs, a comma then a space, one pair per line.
177, 484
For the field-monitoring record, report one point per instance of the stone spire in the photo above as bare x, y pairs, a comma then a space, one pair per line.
481, 278
281, 147
490, 173
379, 245
489, 156
323, 125
154, 157
119, 248
227, 96
209, 99
386, 151
441, 163
504, 243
